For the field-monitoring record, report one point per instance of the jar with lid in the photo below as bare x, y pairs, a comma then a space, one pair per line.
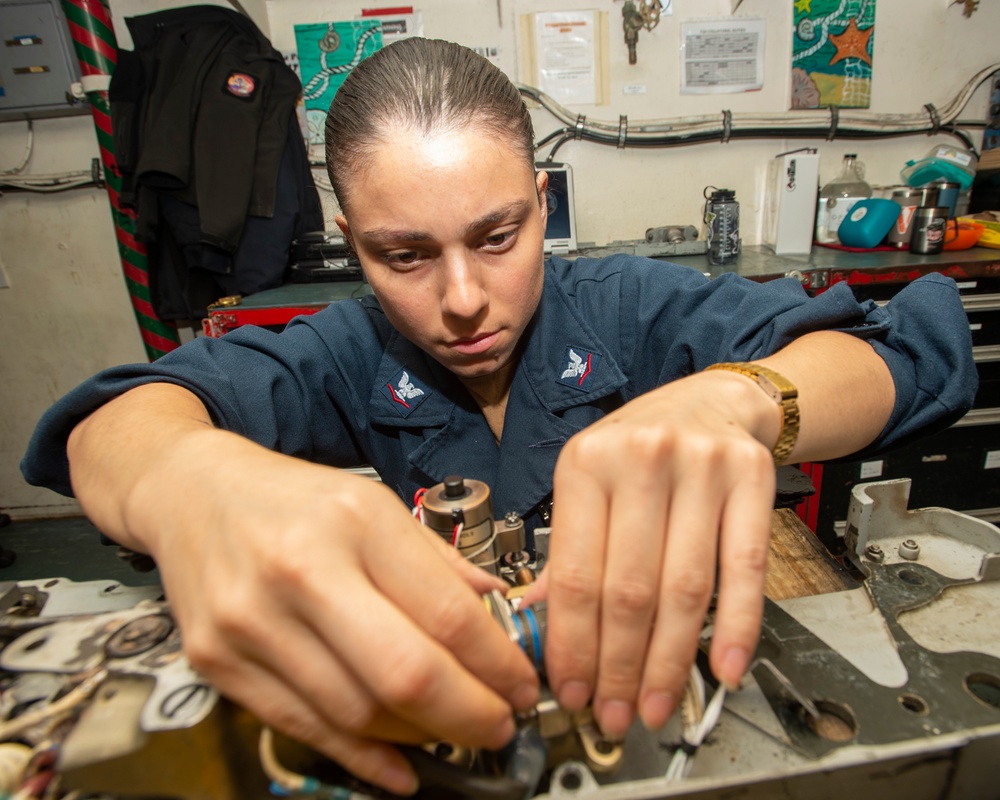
838, 196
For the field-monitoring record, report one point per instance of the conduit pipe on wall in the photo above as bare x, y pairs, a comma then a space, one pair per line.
828, 123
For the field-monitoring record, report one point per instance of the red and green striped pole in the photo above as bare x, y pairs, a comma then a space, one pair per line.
96, 49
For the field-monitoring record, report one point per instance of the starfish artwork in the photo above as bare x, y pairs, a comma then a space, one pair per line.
832, 46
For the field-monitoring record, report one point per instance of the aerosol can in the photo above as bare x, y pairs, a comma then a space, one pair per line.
722, 225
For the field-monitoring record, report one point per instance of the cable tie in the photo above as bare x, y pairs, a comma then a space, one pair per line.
622, 130
834, 122
727, 125
687, 747
935, 118
581, 120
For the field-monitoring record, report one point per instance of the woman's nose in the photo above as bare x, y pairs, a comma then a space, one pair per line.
463, 293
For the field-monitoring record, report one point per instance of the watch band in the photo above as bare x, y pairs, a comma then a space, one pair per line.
783, 392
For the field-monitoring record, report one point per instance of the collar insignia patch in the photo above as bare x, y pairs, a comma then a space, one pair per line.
405, 393
577, 368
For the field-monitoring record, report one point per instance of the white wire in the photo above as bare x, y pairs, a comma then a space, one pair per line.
51, 187
48, 182
65, 704
693, 738
27, 152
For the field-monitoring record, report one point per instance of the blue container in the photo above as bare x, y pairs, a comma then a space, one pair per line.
868, 222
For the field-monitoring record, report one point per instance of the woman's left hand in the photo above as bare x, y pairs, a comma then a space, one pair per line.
647, 502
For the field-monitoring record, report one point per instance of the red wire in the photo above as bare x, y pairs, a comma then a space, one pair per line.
454, 535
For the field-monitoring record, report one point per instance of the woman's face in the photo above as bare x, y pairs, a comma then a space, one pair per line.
449, 229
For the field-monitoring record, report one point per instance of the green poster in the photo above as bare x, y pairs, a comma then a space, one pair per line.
832, 53
328, 51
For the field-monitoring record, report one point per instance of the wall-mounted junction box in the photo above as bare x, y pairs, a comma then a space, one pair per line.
38, 66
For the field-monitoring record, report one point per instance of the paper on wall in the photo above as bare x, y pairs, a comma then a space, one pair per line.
567, 55
723, 56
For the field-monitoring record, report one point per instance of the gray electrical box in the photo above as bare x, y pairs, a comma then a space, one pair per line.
37, 64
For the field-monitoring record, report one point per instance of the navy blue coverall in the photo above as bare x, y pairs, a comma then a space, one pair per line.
342, 387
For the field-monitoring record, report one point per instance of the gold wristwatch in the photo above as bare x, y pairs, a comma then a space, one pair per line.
784, 393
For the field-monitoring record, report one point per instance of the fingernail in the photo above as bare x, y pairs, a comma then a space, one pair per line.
733, 666
615, 717
399, 780
504, 734
574, 695
525, 697
656, 708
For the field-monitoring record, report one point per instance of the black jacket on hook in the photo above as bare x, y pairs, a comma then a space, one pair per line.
203, 116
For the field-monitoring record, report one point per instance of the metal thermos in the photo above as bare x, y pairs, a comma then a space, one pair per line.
948, 195
928, 230
929, 197
722, 225
900, 233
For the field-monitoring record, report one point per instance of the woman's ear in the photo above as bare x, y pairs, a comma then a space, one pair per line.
541, 185
345, 229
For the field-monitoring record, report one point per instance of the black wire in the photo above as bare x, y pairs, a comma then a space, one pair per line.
440, 777
544, 141
50, 188
679, 140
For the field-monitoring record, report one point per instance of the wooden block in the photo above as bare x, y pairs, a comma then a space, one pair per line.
798, 563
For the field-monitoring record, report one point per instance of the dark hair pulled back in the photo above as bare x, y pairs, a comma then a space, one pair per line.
419, 83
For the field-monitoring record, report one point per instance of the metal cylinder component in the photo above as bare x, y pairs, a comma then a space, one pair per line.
531, 624
458, 501
524, 577
510, 536
524, 627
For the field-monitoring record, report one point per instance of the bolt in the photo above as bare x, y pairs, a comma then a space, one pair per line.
874, 553
512, 519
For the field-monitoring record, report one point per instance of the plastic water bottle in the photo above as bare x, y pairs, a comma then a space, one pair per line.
722, 225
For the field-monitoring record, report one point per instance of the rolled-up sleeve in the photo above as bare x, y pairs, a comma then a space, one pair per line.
295, 392
922, 334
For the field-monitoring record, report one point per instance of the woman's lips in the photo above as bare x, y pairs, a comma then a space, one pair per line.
475, 344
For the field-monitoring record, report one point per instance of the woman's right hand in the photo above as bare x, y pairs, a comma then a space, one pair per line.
309, 596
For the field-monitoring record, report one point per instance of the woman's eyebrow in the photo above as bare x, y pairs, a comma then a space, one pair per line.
516, 209
383, 236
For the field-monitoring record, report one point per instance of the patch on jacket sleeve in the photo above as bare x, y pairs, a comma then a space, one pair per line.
578, 367
405, 392
241, 85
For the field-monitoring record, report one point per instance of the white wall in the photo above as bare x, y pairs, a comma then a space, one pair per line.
66, 313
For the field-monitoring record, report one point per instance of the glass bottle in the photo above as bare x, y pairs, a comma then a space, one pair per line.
837, 197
